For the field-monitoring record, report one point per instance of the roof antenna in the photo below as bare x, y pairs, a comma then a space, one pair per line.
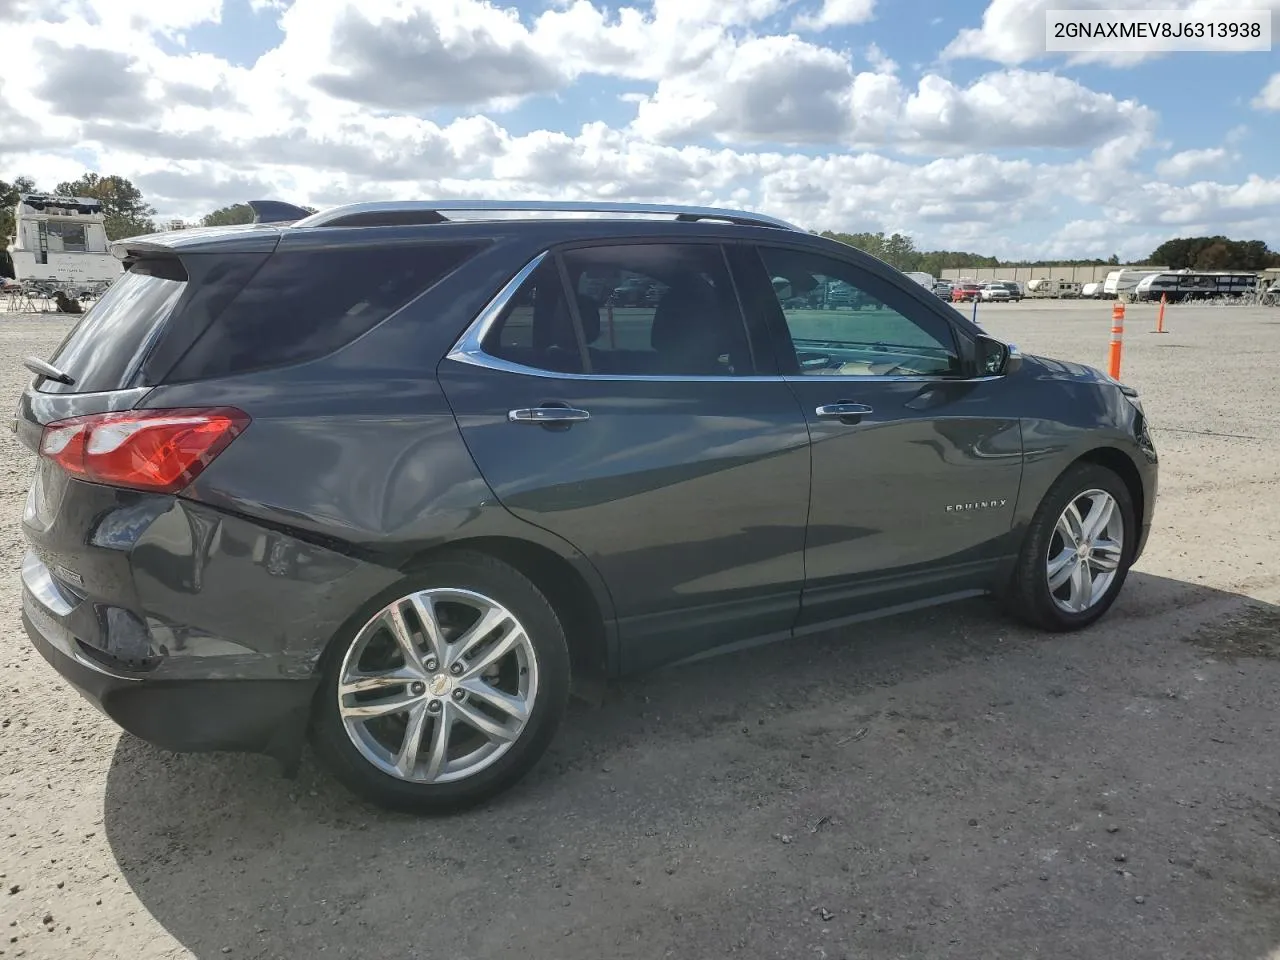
276, 211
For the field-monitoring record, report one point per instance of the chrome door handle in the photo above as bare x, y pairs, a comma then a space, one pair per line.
843, 409
547, 415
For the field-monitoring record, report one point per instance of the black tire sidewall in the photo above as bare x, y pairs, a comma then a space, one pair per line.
505, 584
1032, 587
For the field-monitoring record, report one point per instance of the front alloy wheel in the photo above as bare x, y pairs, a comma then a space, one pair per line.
1085, 552
447, 690
1076, 551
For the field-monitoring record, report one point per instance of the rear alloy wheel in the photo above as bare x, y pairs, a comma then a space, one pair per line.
446, 694
1077, 551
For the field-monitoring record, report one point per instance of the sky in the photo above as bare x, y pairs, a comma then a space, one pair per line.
943, 119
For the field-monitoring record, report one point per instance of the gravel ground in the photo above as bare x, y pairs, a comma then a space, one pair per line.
943, 784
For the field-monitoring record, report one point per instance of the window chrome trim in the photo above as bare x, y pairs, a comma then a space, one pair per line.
481, 359
468, 346
468, 350
874, 378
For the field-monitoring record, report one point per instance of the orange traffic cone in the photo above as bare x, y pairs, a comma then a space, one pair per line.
1117, 340
1164, 298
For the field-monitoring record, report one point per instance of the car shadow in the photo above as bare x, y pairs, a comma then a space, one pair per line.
686, 814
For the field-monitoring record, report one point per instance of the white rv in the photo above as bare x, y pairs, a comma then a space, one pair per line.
1120, 283
62, 242
1177, 285
924, 279
1056, 289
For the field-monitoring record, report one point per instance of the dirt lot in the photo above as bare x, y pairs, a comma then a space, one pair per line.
936, 785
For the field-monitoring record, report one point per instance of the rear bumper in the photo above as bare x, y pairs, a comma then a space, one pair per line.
256, 716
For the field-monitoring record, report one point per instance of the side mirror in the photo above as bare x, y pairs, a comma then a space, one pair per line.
1012, 359
997, 359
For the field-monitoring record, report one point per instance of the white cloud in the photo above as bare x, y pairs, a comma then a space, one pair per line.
769, 89
169, 18
785, 90
1190, 162
1020, 108
1013, 31
879, 60
1097, 238
836, 13
338, 111
1269, 97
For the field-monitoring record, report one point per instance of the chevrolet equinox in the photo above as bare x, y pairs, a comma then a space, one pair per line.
393, 476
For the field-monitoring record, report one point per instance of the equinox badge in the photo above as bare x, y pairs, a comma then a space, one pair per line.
975, 505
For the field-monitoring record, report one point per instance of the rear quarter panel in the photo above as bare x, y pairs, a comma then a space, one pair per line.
359, 455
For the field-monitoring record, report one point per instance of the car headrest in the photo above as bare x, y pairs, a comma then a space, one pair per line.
589, 310
687, 327
553, 324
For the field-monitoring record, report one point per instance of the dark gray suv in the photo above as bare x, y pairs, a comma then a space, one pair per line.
398, 475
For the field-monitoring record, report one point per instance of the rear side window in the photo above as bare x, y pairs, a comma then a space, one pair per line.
304, 304
113, 336
644, 309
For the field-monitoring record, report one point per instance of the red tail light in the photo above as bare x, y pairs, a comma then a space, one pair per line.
157, 450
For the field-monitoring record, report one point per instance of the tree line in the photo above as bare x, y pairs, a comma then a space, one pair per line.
128, 214
1193, 253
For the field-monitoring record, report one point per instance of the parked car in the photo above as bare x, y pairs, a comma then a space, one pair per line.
634, 292
962, 292
379, 478
942, 290
995, 293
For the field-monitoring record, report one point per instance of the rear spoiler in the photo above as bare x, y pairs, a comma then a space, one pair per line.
276, 211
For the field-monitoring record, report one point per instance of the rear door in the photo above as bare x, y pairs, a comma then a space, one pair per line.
916, 459
615, 399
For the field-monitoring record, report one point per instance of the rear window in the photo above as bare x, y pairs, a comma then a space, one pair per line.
110, 340
304, 304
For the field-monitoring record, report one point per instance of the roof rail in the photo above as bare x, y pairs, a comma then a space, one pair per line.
384, 213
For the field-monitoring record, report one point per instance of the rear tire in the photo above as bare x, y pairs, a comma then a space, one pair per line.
1060, 583
446, 689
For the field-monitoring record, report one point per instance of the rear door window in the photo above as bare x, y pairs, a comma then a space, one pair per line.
108, 343
644, 309
659, 309
302, 305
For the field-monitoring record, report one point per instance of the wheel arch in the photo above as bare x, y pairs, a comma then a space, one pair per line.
1121, 464
1039, 479
587, 614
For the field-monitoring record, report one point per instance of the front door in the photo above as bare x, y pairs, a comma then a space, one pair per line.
630, 419
916, 462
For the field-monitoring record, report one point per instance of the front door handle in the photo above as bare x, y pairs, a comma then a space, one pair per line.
843, 410
548, 415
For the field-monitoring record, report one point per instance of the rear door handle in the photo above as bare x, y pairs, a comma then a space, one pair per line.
843, 409
551, 415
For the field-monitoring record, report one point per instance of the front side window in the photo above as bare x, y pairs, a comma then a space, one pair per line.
645, 309
840, 326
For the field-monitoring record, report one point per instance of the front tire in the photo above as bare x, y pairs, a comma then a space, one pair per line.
447, 689
1076, 552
